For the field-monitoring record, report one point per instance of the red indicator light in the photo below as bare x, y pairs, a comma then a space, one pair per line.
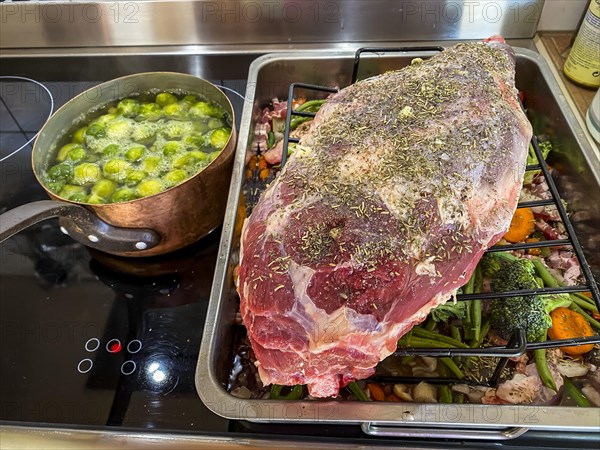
115, 347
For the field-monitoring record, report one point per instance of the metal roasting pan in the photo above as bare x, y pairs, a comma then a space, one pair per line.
578, 183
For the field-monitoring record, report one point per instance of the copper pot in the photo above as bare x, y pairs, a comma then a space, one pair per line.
148, 226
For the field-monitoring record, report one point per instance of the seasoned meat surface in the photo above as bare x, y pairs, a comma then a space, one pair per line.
382, 213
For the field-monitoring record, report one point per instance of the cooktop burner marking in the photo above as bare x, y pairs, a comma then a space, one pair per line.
128, 367
85, 365
134, 346
92, 344
114, 346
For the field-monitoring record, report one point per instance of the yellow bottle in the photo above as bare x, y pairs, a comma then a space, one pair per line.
583, 63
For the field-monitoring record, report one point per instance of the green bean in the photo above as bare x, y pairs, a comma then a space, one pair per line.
355, 390
593, 322
453, 367
485, 329
455, 333
297, 121
579, 300
572, 391
294, 394
549, 280
445, 394
270, 139
467, 321
311, 104
541, 364
476, 304
437, 337
430, 325
418, 342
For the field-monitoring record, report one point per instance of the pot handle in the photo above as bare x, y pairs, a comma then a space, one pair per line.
79, 223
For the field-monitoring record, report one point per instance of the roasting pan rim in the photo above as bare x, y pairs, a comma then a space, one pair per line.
217, 399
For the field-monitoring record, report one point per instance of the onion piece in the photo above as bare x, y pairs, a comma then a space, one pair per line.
425, 393
572, 369
592, 394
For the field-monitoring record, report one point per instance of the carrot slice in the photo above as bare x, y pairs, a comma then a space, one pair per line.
376, 392
533, 251
393, 398
521, 225
569, 324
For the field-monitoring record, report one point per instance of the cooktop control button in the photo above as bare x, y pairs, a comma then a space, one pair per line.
85, 365
114, 346
92, 344
128, 367
134, 346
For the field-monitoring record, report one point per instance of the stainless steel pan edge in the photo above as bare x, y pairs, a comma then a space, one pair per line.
220, 319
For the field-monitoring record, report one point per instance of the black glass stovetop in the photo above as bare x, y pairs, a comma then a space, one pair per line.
96, 341
87, 338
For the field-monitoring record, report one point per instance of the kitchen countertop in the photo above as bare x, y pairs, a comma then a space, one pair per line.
555, 47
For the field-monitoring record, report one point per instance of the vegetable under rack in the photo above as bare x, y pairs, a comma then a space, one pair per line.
518, 344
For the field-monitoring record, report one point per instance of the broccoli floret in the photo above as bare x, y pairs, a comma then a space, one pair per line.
489, 265
530, 312
546, 148
446, 311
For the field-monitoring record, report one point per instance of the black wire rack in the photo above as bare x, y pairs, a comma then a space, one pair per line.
517, 345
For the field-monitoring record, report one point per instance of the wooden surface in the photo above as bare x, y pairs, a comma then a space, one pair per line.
558, 45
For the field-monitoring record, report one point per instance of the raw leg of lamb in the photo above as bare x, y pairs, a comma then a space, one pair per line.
381, 214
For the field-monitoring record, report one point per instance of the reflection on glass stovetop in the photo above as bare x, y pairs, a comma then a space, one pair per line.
87, 338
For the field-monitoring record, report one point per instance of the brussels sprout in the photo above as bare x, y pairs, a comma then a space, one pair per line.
219, 138
204, 109
144, 133
174, 177
213, 155
190, 160
86, 173
213, 124
124, 194
172, 147
135, 153
105, 119
135, 177
118, 129
197, 141
164, 99
150, 112
175, 129
95, 199
117, 170
189, 99
128, 107
60, 172
79, 135
96, 130
187, 102
76, 154
175, 111
104, 188
55, 186
152, 165
149, 187
64, 151
112, 110
111, 150
74, 193
201, 126
80, 197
